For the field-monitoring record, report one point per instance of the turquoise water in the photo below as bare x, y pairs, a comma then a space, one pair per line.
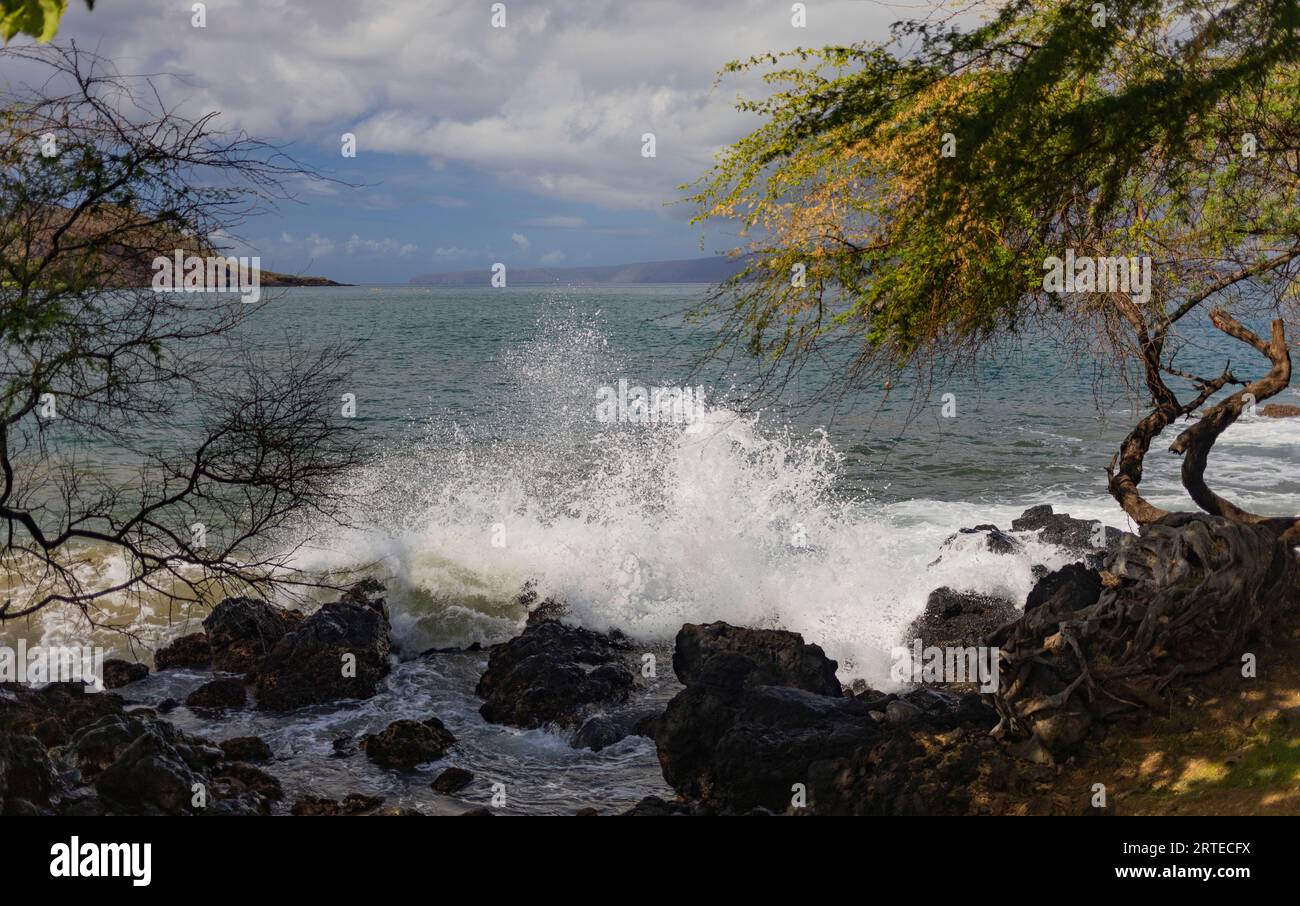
488, 468
1032, 420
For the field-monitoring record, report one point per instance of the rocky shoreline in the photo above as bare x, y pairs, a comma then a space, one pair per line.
759, 722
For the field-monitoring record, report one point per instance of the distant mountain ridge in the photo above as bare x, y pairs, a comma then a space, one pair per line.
688, 270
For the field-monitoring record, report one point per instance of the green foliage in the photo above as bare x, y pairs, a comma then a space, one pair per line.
37, 18
1113, 138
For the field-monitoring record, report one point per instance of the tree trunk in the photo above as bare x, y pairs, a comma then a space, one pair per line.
1183, 597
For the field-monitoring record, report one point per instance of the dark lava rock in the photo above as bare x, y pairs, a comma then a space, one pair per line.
599, 732
763, 656
552, 674
352, 804
218, 694
995, 540
27, 776
730, 743
188, 651
118, 673
406, 743
53, 714
146, 766
1072, 587
1075, 535
587, 812
654, 807
247, 777
344, 746
737, 747
103, 760
246, 748
603, 730
452, 780
307, 665
242, 631
167, 705
958, 618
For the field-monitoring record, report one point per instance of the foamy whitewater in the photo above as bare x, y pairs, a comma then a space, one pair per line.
746, 518
491, 470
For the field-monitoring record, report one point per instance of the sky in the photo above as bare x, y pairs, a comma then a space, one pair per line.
474, 143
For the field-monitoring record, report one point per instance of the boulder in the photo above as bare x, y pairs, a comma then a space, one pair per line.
553, 674
764, 656
404, 744
306, 666
218, 694
452, 780
1070, 588
118, 673
959, 619
1279, 410
242, 631
1079, 536
27, 776
246, 748
187, 651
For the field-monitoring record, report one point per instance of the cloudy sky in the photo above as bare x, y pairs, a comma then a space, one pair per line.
475, 144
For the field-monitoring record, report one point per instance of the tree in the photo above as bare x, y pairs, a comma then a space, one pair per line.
146, 425
923, 195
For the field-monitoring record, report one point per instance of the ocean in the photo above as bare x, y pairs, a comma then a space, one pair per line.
489, 468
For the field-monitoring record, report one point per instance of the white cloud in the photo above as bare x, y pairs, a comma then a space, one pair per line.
520, 240
552, 258
554, 104
450, 253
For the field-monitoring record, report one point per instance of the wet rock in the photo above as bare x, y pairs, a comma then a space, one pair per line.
306, 666
242, 631
218, 694
247, 777
1279, 410
552, 674
477, 812
404, 744
901, 712
344, 746
1070, 588
352, 804
167, 705
144, 765
53, 714
655, 807
603, 730
735, 747
1080, 536
959, 618
452, 780
246, 748
599, 732
994, 540
762, 656
27, 777
587, 812
729, 743
190, 650
118, 673
397, 811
